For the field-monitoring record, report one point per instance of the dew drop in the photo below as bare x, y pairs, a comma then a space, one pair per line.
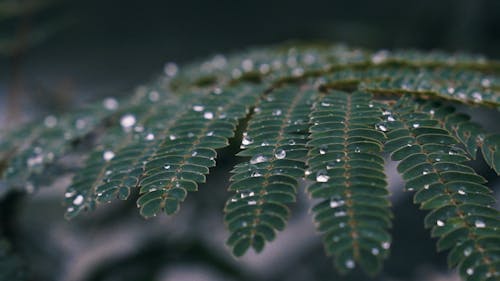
110, 103
477, 97
415, 125
323, 149
252, 202
69, 194
467, 252
461, 192
280, 153
150, 137
171, 69
127, 121
259, 158
172, 137
386, 245
322, 176
381, 127
486, 82
479, 224
350, 264
307, 172
78, 200
198, 108
335, 202
50, 121
209, 134
208, 115
440, 223
194, 153
426, 186
357, 150
166, 167
470, 271
391, 118
255, 174
108, 155
375, 251
246, 140
277, 112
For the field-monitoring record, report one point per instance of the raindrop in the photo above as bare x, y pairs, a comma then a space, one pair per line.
110, 103
322, 176
440, 223
170, 69
166, 167
194, 153
127, 121
323, 149
416, 125
451, 90
461, 192
467, 252
477, 97
340, 214
208, 115
154, 96
335, 202
150, 137
479, 224
280, 153
211, 133
391, 118
198, 108
255, 174
259, 158
470, 271
386, 245
307, 172
108, 155
350, 264
426, 186
324, 103
78, 200
246, 140
381, 127
69, 194
277, 112
172, 137
50, 121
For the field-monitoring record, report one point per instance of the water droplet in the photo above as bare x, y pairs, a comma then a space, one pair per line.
415, 125
110, 103
259, 158
277, 112
461, 192
252, 202
194, 153
246, 140
336, 202
486, 82
50, 121
307, 172
280, 153
467, 252
291, 142
375, 251
477, 97
350, 264
69, 194
208, 115
255, 174
81, 124
426, 186
127, 121
357, 149
479, 224
150, 137
154, 96
211, 133
381, 127
323, 149
78, 200
198, 108
264, 143
166, 167
451, 90
170, 69
324, 103
247, 65
380, 57
340, 214
470, 271
322, 176
386, 245
390, 118
108, 155
264, 68
236, 73
342, 224
172, 137
440, 223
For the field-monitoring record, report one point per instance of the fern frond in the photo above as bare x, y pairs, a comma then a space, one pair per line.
275, 140
345, 163
461, 214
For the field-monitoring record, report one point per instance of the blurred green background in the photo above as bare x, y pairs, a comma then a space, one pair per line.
55, 57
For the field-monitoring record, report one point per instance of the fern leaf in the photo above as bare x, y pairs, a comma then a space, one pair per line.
275, 140
471, 135
181, 161
345, 163
461, 207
